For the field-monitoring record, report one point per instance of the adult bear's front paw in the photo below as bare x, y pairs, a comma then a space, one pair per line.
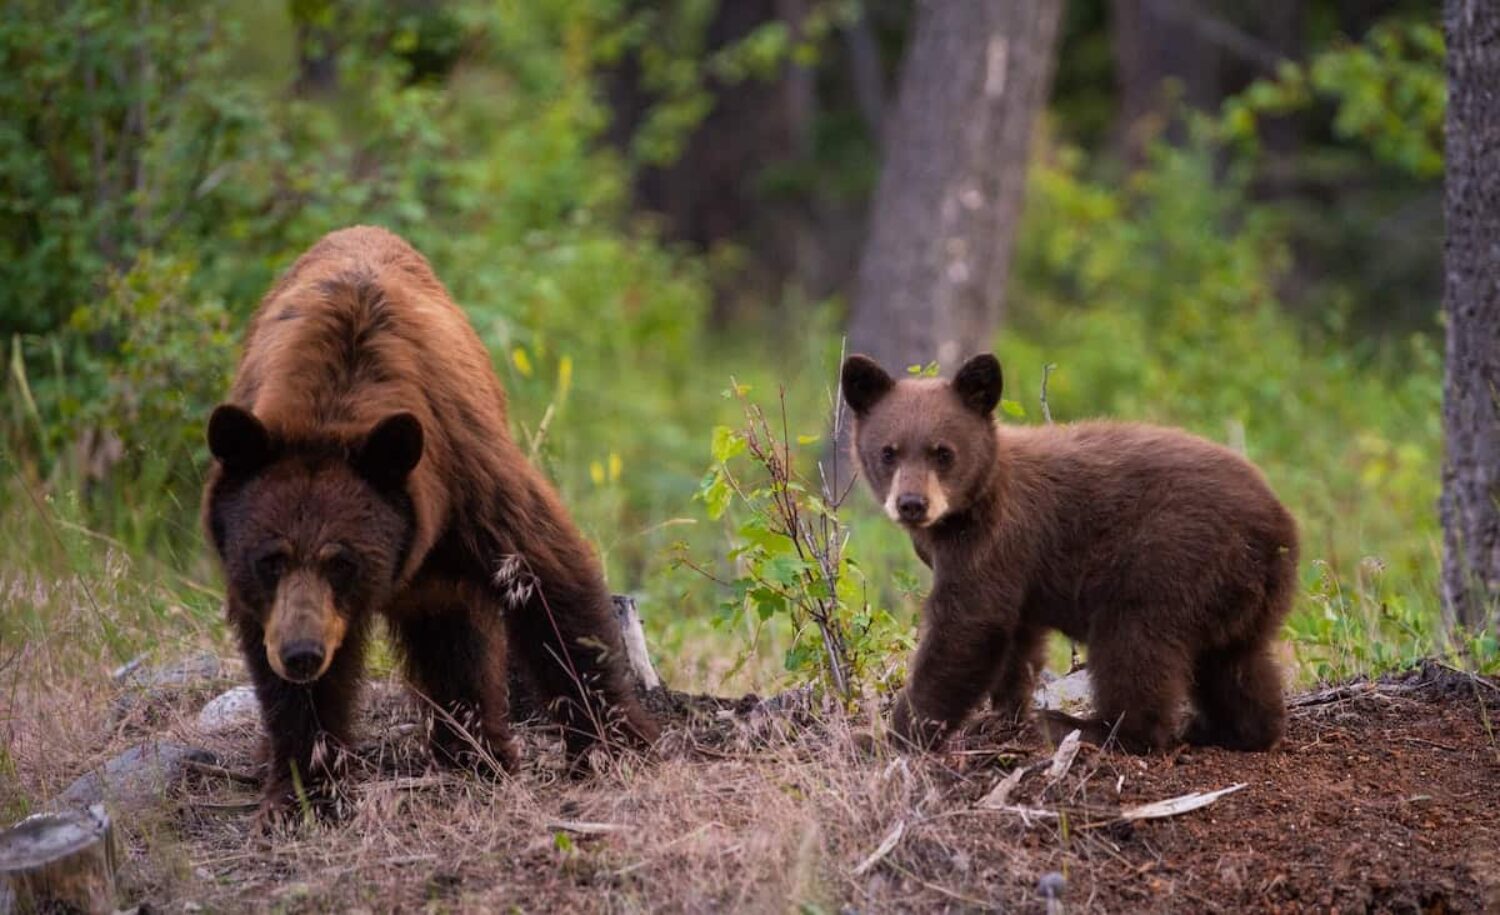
287, 802
911, 728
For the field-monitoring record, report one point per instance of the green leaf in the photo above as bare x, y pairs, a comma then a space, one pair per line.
785, 571
1013, 408
768, 602
727, 443
716, 494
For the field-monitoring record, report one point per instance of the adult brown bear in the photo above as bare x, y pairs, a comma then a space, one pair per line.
364, 466
1168, 555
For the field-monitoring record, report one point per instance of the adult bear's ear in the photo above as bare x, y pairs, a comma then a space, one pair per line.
978, 383
390, 451
239, 440
864, 382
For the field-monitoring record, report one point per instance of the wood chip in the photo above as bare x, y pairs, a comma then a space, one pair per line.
1176, 805
886, 844
1067, 751
999, 795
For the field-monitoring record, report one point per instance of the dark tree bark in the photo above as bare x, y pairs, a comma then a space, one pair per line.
1153, 42
865, 77
317, 57
932, 275
1471, 298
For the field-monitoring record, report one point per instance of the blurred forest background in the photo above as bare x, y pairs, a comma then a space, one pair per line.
1232, 221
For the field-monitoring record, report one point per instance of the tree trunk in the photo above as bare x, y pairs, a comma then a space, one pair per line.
932, 276
1471, 298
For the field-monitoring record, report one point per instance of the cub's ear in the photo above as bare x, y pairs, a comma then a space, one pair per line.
239, 440
390, 451
978, 383
864, 382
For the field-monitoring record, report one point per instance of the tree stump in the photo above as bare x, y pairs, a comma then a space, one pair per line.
62, 862
635, 643
523, 700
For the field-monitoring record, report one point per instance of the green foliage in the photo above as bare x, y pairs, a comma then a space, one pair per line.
681, 74
117, 119
1389, 93
790, 558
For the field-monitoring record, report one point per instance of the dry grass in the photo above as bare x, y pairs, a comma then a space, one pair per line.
738, 812
742, 809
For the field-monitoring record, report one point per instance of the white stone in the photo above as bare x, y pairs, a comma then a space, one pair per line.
233, 710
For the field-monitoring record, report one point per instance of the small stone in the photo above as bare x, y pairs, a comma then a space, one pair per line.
229, 711
1052, 885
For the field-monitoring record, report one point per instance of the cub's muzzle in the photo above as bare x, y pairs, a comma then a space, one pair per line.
916, 498
911, 508
304, 629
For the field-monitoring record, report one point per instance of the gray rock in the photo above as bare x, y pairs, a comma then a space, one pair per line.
1071, 694
136, 779
189, 670
150, 691
237, 709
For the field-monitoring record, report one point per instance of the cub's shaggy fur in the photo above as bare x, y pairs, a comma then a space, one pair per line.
1169, 556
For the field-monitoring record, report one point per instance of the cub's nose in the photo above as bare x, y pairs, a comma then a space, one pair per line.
302, 660
911, 507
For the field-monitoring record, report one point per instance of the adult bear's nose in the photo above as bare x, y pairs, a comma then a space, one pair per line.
302, 660
911, 507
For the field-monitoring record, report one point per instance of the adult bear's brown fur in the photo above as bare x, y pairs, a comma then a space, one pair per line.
364, 466
1167, 555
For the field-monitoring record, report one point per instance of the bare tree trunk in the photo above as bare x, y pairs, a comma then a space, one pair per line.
932, 277
1471, 297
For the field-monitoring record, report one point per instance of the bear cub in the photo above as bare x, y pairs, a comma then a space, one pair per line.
364, 467
1167, 555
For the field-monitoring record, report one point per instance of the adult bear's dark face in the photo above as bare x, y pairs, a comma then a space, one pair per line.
312, 536
925, 445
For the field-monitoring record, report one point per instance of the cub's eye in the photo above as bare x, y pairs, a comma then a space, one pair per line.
269, 568
340, 570
888, 455
943, 456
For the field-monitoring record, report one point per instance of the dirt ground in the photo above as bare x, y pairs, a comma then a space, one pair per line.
1385, 796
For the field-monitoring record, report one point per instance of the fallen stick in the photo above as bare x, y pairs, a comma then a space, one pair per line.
884, 848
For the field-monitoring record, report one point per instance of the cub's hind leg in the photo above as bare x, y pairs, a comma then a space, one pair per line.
1237, 692
1140, 681
1237, 687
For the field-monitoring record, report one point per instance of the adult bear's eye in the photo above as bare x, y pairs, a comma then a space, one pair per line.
942, 455
340, 570
269, 568
888, 455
